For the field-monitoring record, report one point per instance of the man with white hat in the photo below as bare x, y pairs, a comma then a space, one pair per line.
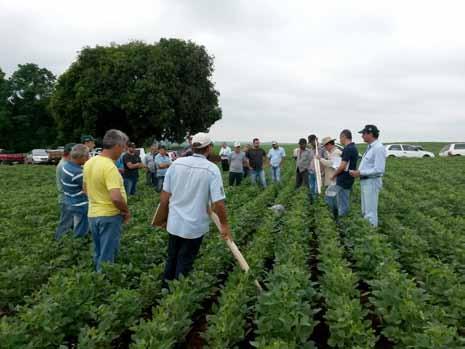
191, 184
276, 155
237, 161
330, 162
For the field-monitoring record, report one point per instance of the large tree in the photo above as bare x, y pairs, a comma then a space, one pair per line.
162, 90
25, 121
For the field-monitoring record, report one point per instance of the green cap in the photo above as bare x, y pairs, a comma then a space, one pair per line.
87, 138
68, 147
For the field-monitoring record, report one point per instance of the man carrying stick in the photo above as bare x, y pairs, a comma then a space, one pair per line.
191, 183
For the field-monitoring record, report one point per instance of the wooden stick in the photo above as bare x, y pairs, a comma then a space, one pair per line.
234, 249
317, 169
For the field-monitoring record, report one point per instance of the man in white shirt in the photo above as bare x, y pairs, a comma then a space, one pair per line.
191, 184
225, 153
276, 156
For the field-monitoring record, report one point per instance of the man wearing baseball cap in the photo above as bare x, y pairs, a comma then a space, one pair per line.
191, 184
276, 156
88, 141
238, 162
370, 172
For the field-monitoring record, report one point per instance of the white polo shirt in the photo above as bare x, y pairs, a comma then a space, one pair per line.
193, 182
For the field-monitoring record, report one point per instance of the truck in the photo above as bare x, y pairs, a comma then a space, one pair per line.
9, 159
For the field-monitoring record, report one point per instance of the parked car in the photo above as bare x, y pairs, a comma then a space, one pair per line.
9, 159
54, 155
39, 156
407, 151
453, 149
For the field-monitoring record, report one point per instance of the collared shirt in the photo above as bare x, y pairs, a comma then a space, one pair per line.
330, 163
373, 162
150, 162
101, 176
71, 179
193, 182
225, 153
58, 180
162, 159
276, 156
303, 160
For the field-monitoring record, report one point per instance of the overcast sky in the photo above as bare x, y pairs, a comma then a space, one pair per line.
284, 69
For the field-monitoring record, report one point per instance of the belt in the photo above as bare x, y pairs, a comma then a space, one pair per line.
362, 178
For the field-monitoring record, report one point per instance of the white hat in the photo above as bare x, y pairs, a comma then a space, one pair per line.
202, 139
274, 142
237, 144
326, 140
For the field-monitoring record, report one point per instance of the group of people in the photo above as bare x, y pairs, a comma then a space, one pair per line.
251, 161
93, 191
338, 170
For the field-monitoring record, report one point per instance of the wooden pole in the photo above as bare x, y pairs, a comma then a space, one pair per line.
234, 249
317, 169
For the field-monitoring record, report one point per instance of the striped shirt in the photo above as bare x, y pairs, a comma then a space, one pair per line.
71, 180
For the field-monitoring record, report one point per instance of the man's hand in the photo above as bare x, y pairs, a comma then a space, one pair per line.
354, 173
226, 232
126, 217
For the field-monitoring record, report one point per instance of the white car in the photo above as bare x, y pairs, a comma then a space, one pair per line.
39, 156
453, 149
407, 151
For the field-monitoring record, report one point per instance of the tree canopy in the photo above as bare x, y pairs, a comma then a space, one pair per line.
161, 90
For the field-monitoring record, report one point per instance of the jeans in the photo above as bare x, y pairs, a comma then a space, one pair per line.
369, 192
301, 178
276, 174
312, 184
66, 222
106, 234
258, 175
159, 186
151, 178
80, 220
181, 256
342, 200
130, 184
235, 177
331, 201
225, 165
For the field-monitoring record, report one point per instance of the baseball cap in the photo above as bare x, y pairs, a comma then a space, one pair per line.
131, 144
237, 144
67, 148
369, 129
326, 140
87, 138
274, 142
201, 140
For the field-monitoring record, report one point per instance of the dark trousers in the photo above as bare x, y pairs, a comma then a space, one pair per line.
181, 256
130, 184
235, 177
301, 178
225, 164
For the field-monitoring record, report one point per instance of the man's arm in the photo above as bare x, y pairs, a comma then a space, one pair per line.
220, 209
340, 169
120, 203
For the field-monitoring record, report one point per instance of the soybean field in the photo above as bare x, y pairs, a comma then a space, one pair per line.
325, 285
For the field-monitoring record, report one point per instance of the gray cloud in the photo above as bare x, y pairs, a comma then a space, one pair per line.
283, 69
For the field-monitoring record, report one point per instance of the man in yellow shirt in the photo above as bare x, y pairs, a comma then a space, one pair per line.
108, 208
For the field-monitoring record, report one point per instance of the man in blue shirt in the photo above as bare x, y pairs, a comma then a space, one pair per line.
370, 172
66, 219
191, 184
276, 156
162, 163
75, 198
344, 181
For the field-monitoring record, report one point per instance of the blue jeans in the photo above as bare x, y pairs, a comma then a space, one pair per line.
130, 184
369, 193
312, 184
106, 234
66, 222
258, 175
276, 174
159, 186
80, 220
342, 200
